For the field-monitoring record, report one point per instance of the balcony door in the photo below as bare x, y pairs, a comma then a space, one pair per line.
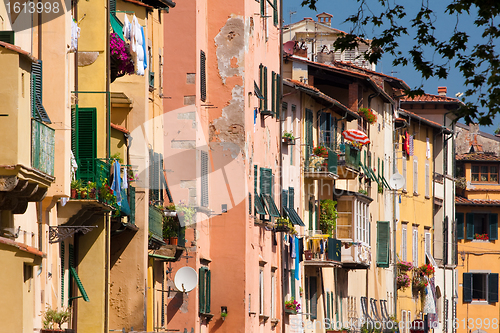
84, 140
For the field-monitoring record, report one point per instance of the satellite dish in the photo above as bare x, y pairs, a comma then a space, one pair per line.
397, 181
185, 279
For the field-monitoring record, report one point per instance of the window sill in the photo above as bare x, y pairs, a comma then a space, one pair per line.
479, 302
427, 197
275, 322
263, 317
207, 316
480, 241
415, 194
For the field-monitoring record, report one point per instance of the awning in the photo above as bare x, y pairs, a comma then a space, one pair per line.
158, 256
116, 25
257, 91
270, 205
295, 218
73, 273
160, 4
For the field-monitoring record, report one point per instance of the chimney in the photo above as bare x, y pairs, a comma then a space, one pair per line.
325, 19
442, 91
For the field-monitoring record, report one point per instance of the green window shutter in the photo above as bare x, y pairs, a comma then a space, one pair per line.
112, 6
250, 203
278, 95
261, 86
309, 135
265, 89
460, 225
284, 204
208, 290
265, 181
313, 297
151, 174
334, 249
156, 176
132, 204
204, 179
332, 162
291, 197
273, 96
263, 8
383, 238
79, 284
201, 289
203, 76
328, 305
255, 179
492, 288
74, 132
469, 217
7, 37
62, 274
86, 137
467, 287
37, 110
275, 12
292, 283
493, 226
160, 179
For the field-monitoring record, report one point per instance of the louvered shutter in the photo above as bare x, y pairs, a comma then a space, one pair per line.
467, 287
493, 226
7, 37
309, 135
37, 110
132, 204
284, 202
274, 111
278, 95
250, 203
208, 291
261, 86
262, 8
334, 249
470, 225
265, 89
292, 283
291, 198
204, 179
203, 77
460, 225
86, 142
151, 174
161, 176
383, 238
328, 305
275, 12
74, 131
265, 181
332, 162
112, 6
201, 289
492, 288
156, 176
313, 291
63, 281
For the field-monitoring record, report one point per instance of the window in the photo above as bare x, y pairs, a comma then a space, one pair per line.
415, 246
273, 294
479, 224
353, 220
484, 174
460, 225
415, 175
404, 172
261, 292
203, 77
312, 296
404, 236
383, 240
284, 120
480, 287
427, 180
266, 191
204, 290
427, 240
204, 179
294, 119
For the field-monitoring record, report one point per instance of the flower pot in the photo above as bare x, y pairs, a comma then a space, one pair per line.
74, 193
308, 255
173, 240
92, 195
47, 330
83, 194
290, 311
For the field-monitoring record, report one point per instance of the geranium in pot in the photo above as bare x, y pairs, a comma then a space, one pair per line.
75, 185
121, 59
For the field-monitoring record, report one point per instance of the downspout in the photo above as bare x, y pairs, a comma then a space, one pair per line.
108, 154
394, 222
372, 96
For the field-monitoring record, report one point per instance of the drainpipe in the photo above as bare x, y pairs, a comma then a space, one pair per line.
394, 222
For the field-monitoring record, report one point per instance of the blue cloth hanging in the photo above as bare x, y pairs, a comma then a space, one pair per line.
145, 50
297, 259
116, 185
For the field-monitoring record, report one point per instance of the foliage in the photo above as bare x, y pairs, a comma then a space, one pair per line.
292, 304
185, 213
370, 327
405, 266
316, 162
328, 216
170, 227
368, 115
76, 184
419, 282
288, 135
403, 281
116, 156
106, 193
320, 151
477, 59
364, 192
51, 317
461, 183
120, 56
481, 237
223, 314
380, 189
286, 224
426, 269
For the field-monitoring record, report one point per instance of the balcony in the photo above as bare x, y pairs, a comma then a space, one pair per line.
316, 167
356, 256
155, 228
93, 181
349, 162
322, 250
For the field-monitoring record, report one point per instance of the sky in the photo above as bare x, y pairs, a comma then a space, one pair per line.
444, 27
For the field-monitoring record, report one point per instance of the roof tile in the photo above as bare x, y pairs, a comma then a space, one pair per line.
477, 157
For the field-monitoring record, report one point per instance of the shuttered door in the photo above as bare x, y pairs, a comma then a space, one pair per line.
204, 179
261, 86
493, 226
273, 95
467, 287
132, 204
86, 143
460, 225
313, 293
201, 289
492, 288
265, 181
470, 225
383, 238
203, 77
309, 135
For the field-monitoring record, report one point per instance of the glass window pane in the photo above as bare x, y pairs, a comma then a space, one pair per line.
475, 177
484, 177
494, 177
493, 169
484, 169
475, 169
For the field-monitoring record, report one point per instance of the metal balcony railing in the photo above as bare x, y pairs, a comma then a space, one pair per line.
351, 157
323, 249
155, 223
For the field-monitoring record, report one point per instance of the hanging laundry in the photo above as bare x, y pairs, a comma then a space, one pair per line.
75, 34
125, 178
301, 249
116, 185
126, 27
428, 150
321, 247
411, 145
298, 258
144, 48
293, 252
139, 48
74, 166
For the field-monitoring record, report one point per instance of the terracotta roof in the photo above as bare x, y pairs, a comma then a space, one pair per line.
18, 50
323, 96
350, 64
139, 3
327, 14
422, 119
22, 247
344, 71
465, 201
477, 157
426, 98
120, 128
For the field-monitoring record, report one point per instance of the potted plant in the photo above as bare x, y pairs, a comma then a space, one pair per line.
292, 306
405, 266
106, 194
426, 269
288, 138
75, 185
223, 314
328, 216
403, 281
170, 229
83, 192
282, 224
53, 317
368, 115
121, 59
92, 189
483, 237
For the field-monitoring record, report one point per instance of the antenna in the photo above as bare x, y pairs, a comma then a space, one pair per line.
292, 12
185, 279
